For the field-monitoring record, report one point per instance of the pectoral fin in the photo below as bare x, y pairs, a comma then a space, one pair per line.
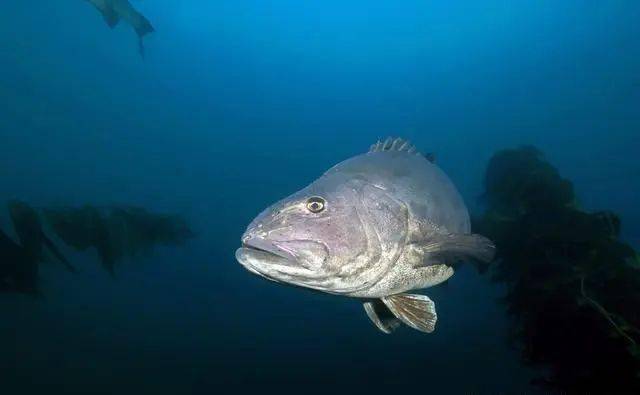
380, 315
454, 247
417, 311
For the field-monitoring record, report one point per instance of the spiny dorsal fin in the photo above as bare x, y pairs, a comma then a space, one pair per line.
400, 145
393, 144
430, 156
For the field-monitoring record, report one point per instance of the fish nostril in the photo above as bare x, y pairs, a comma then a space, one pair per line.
246, 237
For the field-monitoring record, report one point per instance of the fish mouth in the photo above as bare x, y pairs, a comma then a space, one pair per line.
272, 261
264, 248
262, 257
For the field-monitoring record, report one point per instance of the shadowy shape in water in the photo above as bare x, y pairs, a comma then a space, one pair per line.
18, 269
34, 241
82, 229
116, 232
573, 286
115, 10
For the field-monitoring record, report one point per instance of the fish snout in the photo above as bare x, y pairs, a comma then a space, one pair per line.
247, 236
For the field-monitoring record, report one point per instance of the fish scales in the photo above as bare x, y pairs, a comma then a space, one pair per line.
373, 227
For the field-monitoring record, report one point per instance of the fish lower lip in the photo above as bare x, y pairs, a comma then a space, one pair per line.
256, 259
270, 265
263, 251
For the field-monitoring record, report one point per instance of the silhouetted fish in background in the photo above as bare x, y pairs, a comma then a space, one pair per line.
116, 232
114, 10
28, 227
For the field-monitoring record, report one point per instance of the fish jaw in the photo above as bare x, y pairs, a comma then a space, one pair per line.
274, 267
255, 260
258, 253
254, 241
272, 260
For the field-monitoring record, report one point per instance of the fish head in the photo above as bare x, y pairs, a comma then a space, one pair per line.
306, 238
321, 237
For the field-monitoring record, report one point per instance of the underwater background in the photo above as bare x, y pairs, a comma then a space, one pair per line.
237, 104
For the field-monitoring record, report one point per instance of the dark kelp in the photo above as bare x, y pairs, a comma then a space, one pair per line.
573, 286
19, 262
28, 227
116, 232
83, 228
18, 269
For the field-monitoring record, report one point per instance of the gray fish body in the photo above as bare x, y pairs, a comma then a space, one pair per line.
390, 222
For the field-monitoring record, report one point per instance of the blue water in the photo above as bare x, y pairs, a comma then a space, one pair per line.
239, 103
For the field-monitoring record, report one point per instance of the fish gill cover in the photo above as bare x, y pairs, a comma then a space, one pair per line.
573, 285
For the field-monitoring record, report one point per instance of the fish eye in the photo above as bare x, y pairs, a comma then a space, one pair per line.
316, 204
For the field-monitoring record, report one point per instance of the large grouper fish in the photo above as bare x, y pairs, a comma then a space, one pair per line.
373, 227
